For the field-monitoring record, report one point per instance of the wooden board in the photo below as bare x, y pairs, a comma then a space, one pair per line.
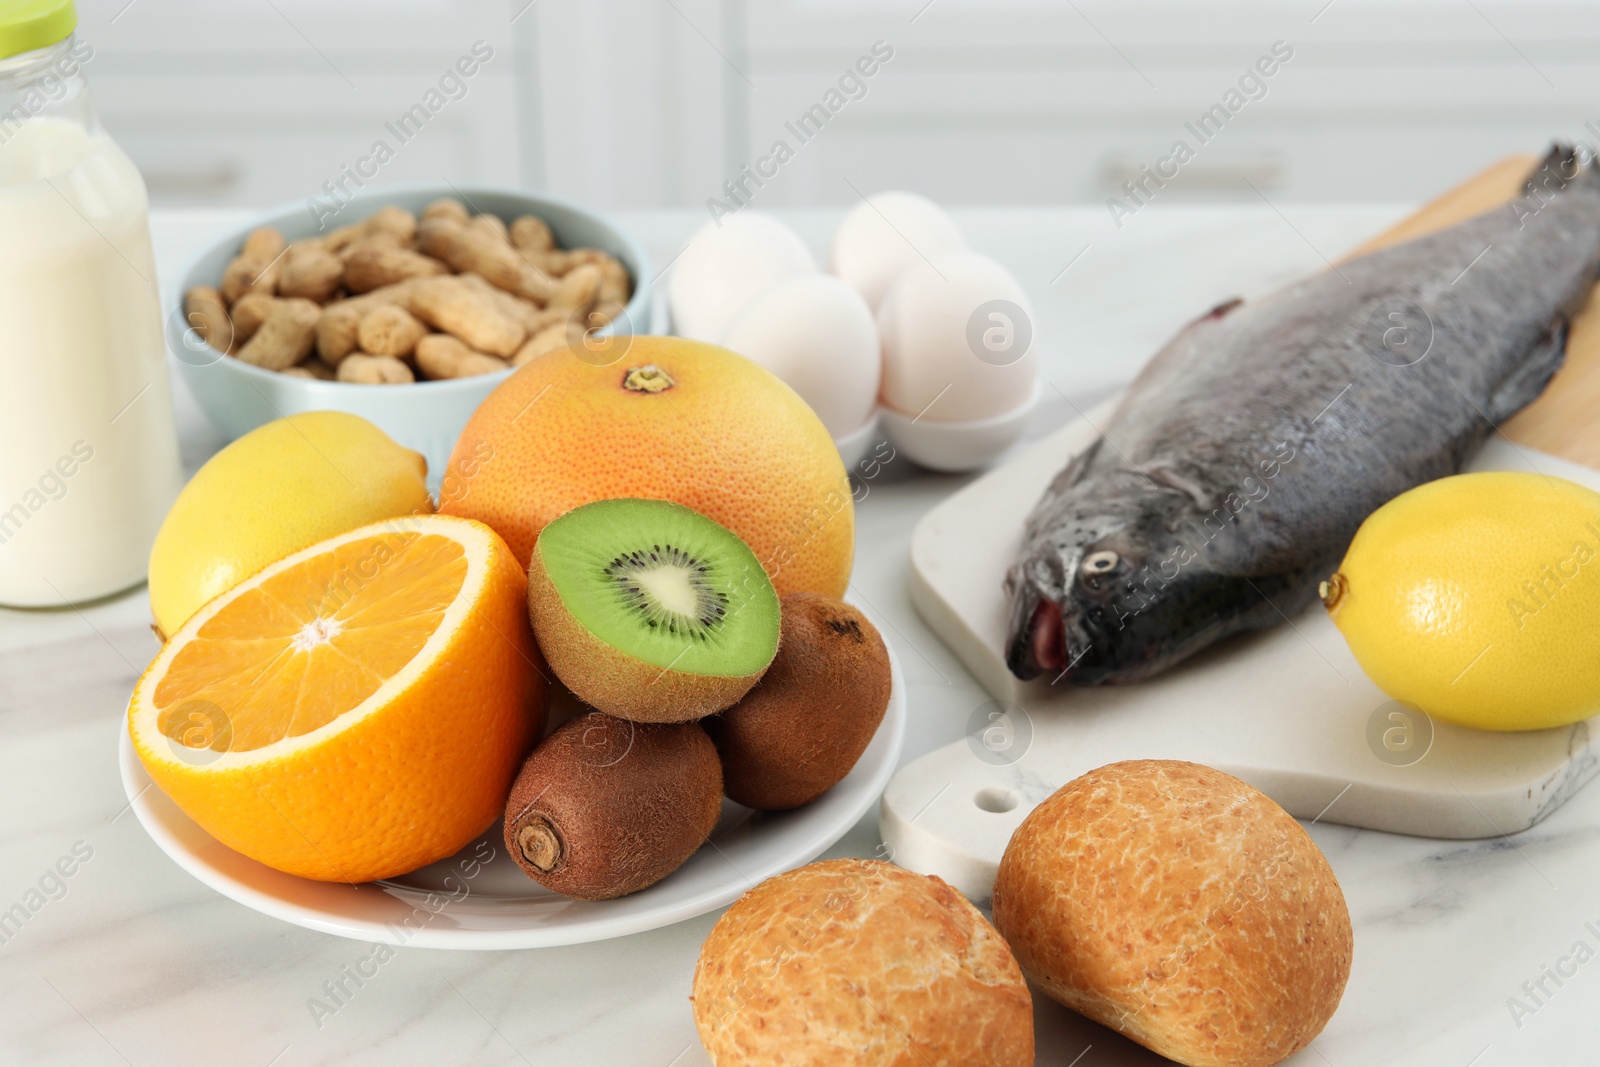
1288, 710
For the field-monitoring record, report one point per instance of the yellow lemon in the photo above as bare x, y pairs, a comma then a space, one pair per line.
1477, 599
277, 489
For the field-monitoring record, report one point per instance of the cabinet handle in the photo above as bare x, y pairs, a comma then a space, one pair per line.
1265, 174
199, 181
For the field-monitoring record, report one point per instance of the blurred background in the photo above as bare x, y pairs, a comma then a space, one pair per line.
656, 103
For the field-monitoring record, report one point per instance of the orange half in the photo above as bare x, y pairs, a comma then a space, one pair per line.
356, 710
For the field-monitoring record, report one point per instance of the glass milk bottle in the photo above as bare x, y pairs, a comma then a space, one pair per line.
88, 450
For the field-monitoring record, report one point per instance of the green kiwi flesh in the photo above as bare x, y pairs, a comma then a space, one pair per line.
665, 585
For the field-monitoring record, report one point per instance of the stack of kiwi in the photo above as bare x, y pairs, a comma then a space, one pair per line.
704, 684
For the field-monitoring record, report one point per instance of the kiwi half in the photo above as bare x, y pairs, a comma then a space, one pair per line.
650, 611
606, 806
804, 727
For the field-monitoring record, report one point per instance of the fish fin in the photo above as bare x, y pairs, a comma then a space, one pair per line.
1524, 384
1165, 475
1221, 309
1181, 348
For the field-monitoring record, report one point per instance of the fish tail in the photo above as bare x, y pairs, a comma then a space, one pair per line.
1560, 167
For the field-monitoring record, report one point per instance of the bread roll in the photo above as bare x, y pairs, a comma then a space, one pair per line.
859, 962
1181, 907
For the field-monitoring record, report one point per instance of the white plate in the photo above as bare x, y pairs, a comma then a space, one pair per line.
459, 903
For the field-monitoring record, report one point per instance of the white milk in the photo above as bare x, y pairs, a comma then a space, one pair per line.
88, 453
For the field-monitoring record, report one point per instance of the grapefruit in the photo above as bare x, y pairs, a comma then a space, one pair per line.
668, 419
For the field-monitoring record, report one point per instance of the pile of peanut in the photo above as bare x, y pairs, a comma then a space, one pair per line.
396, 298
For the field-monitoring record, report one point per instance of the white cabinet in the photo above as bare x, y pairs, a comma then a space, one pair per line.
224, 104
637, 103
1018, 103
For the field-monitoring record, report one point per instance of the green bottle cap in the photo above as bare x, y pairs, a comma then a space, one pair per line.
28, 25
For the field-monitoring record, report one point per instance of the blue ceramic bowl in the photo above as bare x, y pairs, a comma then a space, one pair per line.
426, 416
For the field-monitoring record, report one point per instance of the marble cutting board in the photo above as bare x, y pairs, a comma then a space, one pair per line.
1289, 710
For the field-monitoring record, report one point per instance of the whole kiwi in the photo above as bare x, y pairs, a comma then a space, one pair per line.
804, 725
605, 807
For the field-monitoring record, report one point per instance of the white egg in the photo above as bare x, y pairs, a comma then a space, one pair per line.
818, 335
727, 264
886, 233
959, 340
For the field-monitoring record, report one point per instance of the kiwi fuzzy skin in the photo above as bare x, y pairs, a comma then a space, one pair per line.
802, 728
605, 807
605, 677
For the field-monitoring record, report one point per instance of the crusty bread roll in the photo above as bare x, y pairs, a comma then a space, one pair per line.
863, 963
1178, 905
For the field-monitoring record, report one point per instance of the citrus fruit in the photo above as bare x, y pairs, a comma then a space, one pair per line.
1477, 599
669, 419
354, 711
275, 490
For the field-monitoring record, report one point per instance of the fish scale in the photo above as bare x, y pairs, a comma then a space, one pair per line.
1242, 460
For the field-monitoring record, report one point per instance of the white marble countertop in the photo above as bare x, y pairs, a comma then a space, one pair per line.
129, 960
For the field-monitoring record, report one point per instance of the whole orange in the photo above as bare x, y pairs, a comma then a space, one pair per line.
669, 419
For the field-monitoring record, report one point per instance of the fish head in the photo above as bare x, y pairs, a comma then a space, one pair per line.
1104, 593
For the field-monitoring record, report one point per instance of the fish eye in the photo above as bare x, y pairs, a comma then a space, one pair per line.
1103, 562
